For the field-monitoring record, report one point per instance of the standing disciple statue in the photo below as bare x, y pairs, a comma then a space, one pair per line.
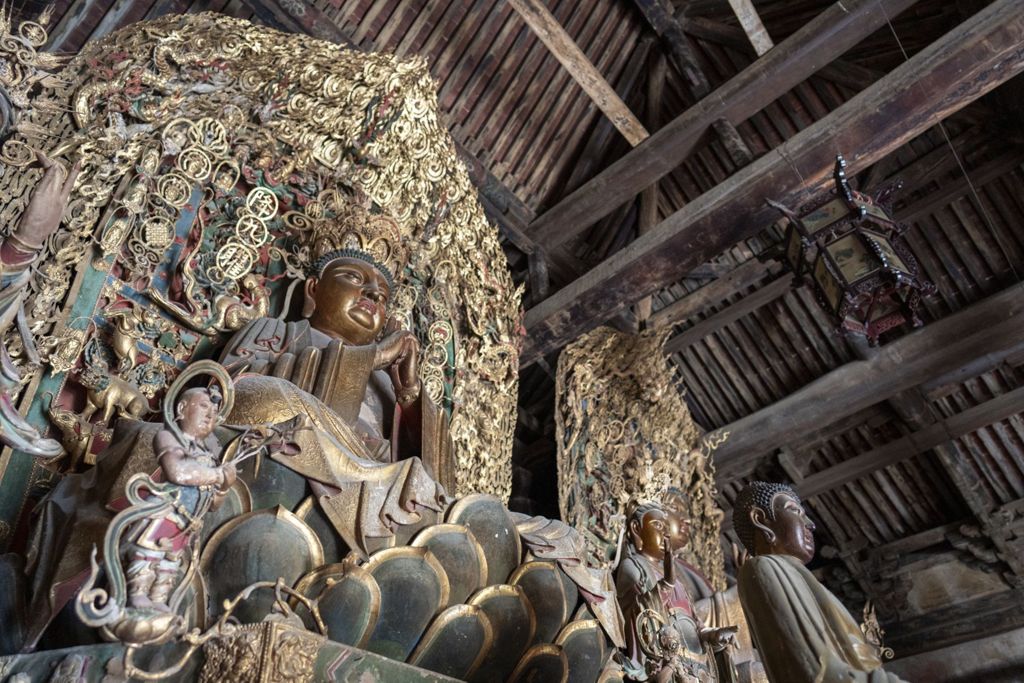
188, 457
664, 639
803, 632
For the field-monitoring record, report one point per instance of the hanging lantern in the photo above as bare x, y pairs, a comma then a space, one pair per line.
853, 251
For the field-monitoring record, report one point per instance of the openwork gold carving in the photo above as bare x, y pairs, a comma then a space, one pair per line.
873, 631
262, 652
212, 130
624, 431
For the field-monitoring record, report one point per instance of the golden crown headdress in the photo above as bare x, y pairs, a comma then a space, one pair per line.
357, 232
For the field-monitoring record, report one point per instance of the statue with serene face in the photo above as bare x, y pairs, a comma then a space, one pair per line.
677, 509
802, 631
664, 639
344, 381
340, 388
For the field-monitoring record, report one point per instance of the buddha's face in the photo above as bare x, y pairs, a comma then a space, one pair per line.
792, 531
197, 414
678, 520
349, 300
649, 533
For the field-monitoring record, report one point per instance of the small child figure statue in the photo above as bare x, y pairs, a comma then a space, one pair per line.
188, 458
151, 538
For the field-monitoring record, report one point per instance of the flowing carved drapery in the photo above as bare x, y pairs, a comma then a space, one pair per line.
209, 146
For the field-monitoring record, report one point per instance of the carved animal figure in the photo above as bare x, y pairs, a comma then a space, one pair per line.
111, 394
124, 336
129, 326
232, 314
76, 434
227, 312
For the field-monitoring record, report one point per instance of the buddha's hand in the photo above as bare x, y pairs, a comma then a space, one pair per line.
399, 352
46, 208
719, 638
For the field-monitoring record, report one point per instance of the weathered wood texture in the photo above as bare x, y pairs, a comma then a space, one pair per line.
726, 285
562, 46
963, 65
672, 36
729, 314
987, 327
826, 37
752, 26
933, 435
969, 620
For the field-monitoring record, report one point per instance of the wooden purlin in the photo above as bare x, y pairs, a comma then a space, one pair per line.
986, 327
752, 25
763, 296
823, 39
920, 441
961, 66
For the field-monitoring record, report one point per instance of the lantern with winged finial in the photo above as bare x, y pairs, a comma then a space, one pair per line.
853, 251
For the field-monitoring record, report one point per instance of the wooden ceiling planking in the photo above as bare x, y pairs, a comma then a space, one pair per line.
997, 451
509, 102
506, 98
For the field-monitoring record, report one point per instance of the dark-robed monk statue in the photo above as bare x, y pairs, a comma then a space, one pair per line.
802, 631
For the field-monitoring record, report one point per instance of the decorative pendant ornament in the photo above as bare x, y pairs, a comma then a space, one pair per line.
854, 253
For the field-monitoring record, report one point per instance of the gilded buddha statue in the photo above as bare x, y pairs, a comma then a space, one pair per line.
345, 379
802, 631
339, 390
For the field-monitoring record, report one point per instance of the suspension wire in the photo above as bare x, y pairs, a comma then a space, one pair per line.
989, 223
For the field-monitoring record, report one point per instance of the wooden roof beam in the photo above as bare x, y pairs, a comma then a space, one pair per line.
737, 280
671, 34
752, 26
840, 72
985, 328
567, 52
963, 65
823, 39
971, 620
595, 149
748, 304
920, 441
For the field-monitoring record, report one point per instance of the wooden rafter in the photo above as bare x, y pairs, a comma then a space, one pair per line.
736, 280
917, 442
752, 26
672, 36
963, 65
823, 39
762, 297
567, 52
987, 327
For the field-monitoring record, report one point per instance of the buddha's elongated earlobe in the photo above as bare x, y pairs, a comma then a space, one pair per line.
309, 301
757, 516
